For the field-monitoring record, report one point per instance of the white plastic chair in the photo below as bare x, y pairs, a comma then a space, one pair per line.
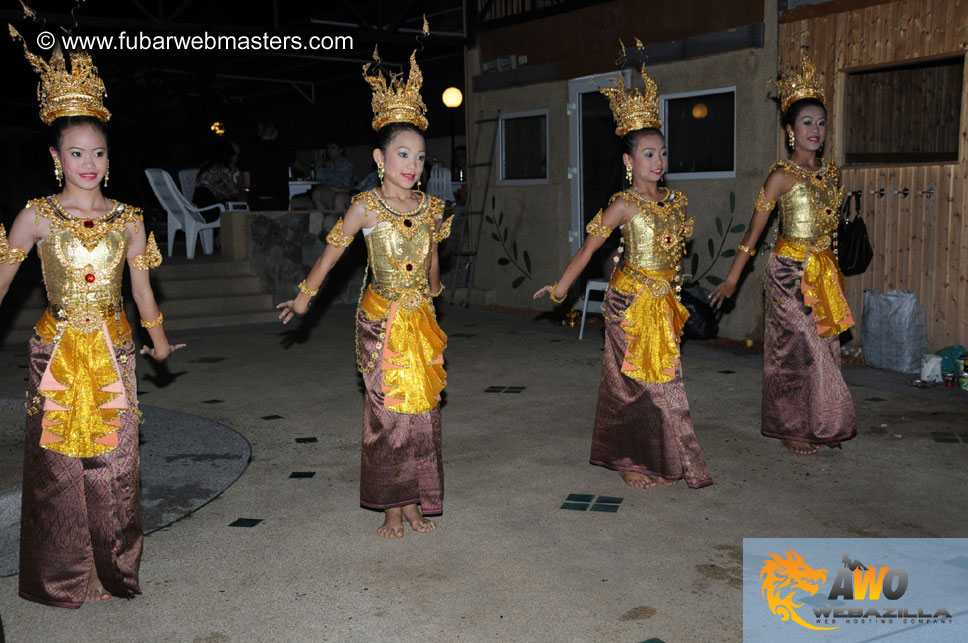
440, 185
596, 306
182, 215
187, 179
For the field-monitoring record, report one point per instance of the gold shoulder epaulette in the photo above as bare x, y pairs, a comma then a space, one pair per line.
151, 258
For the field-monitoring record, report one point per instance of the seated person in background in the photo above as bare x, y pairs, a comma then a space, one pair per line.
216, 181
370, 181
335, 176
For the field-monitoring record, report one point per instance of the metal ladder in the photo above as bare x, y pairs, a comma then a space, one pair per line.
467, 252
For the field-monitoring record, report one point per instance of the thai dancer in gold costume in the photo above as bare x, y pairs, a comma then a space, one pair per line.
81, 514
642, 427
399, 344
806, 403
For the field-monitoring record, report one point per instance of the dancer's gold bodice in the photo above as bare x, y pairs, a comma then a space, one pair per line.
83, 260
655, 237
399, 245
810, 209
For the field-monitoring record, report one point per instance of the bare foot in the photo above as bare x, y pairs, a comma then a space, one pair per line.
801, 448
95, 590
665, 482
637, 480
420, 524
392, 526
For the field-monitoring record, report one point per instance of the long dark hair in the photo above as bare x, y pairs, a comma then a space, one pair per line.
386, 133
630, 140
64, 123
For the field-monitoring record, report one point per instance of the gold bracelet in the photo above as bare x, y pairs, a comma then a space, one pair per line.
747, 249
551, 294
304, 289
437, 294
156, 322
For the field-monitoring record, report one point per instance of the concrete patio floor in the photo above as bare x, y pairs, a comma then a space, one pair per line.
506, 563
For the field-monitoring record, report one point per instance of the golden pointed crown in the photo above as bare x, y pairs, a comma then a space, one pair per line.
396, 101
631, 108
796, 87
79, 92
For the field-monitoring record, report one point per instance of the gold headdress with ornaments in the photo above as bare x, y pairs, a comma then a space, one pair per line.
796, 87
396, 101
79, 92
631, 108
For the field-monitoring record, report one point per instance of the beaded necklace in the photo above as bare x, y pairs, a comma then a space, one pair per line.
90, 232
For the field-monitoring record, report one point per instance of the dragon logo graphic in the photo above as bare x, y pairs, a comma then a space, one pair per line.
789, 572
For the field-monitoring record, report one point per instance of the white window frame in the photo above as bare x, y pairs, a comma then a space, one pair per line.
679, 176
512, 115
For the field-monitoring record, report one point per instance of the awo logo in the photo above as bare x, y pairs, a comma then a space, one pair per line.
784, 576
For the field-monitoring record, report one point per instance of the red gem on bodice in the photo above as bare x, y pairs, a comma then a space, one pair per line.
409, 266
89, 224
829, 210
89, 278
668, 239
661, 204
407, 222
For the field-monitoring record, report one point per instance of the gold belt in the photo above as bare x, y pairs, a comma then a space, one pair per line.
408, 298
659, 281
815, 244
86, 318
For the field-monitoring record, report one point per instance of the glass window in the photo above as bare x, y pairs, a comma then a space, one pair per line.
700, 129
524, 148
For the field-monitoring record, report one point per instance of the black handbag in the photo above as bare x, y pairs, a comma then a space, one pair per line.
703, 322
854, 252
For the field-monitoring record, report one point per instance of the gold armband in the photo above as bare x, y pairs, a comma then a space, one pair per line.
151, 258
444, 231
8, 254
551, 294
337, 237
155, 322
762, 205
306, 290
596, 228
750, 251
437, 294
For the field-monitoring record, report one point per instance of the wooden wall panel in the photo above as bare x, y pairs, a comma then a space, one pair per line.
920, 243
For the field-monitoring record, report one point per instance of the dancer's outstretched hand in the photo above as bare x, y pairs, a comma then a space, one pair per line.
160, 354
544, 291
292, 308
721, 293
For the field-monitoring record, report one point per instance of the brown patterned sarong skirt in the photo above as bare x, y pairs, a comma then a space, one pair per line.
401, 463
804, 394
79, 514
642, 426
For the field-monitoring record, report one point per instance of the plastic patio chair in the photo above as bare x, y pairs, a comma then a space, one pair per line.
182, 215
596, 306
187, 178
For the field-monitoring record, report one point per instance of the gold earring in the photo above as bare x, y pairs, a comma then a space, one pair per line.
418, 184
107, 172
792, 139
628, 173
380, 170
59, 172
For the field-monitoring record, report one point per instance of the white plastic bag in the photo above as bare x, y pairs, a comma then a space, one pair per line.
895, 329
931, 368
